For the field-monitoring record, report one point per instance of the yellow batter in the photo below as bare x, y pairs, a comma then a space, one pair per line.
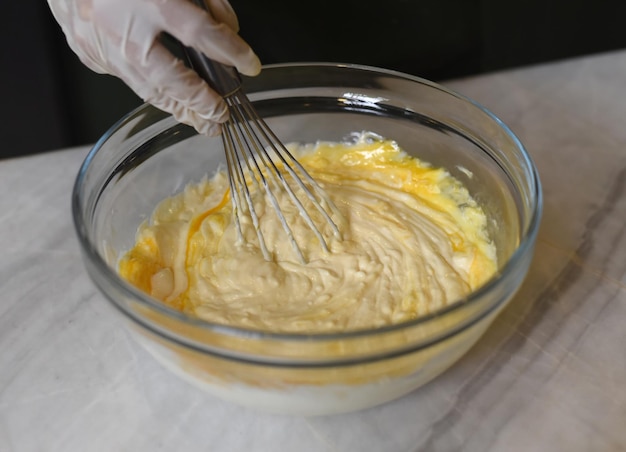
413, 241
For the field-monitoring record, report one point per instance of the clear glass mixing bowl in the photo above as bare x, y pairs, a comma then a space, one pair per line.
148, 156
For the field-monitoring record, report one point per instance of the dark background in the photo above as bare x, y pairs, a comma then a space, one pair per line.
51, 101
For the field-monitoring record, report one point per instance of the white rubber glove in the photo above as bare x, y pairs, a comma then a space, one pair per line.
121, 38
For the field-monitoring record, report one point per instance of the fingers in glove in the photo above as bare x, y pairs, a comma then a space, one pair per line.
194, 27
224, 13
165, 82
185, 115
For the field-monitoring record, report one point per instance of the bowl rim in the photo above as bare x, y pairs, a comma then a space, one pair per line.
525, 245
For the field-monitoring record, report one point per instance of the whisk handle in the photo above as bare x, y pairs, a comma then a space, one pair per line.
223, 79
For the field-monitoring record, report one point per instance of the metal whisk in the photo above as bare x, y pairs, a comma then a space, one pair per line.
256, 157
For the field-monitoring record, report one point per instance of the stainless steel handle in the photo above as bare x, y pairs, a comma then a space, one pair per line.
222, 78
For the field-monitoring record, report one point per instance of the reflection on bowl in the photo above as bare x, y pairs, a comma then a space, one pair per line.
147, 157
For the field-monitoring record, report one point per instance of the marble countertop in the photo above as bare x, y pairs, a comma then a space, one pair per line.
549, 375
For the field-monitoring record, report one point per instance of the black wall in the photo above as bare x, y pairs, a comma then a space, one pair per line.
49, 100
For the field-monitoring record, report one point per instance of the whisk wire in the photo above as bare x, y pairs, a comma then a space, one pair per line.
252, 151
257, 158
239, 189
287, 158
226, 140
277, 176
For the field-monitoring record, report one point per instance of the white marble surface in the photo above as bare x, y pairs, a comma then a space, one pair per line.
550, 375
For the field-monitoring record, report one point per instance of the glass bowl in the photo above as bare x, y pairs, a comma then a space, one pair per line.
148, 156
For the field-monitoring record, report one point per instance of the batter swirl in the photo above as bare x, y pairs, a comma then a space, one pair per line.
413, 241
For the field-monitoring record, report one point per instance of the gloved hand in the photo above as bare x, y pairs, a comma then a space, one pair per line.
121, 38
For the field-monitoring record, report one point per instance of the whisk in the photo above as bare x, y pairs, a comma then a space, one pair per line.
255, 156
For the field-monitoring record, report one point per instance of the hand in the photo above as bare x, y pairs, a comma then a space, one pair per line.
121, 38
